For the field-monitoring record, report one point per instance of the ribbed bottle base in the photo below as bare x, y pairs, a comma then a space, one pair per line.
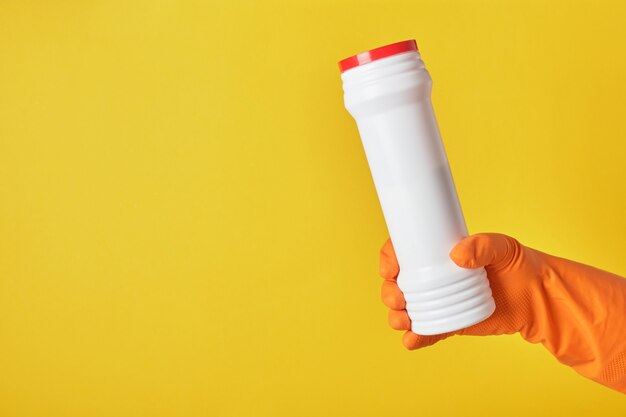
464, 299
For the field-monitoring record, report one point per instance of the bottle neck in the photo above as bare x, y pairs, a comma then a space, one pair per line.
386, 82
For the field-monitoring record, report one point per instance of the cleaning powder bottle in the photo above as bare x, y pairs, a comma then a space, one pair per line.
387, 91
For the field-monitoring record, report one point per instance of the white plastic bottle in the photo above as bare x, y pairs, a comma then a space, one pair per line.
387, 91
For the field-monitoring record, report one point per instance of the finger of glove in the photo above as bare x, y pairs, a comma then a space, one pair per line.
389, 268
391, 295
484, 249
496, 324
413, 341
399, 320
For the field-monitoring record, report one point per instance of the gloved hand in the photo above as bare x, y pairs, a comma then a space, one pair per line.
576, 311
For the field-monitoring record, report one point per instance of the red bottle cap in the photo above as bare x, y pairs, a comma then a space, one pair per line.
377, 53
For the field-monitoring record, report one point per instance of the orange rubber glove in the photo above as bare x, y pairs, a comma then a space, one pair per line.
576, 311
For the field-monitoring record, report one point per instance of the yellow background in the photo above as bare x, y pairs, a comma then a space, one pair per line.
188, 225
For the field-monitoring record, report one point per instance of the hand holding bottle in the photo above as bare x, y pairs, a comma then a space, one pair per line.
576, 311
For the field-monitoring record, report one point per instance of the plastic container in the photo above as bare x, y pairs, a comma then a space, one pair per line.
387, 91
